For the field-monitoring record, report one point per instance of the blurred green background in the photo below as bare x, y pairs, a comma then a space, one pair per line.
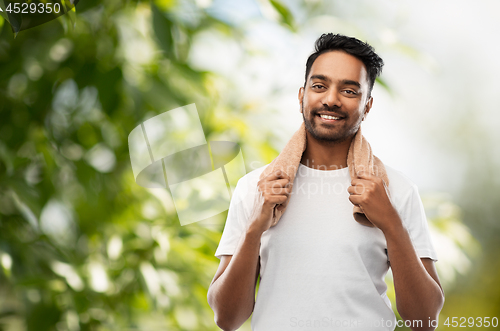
83, 247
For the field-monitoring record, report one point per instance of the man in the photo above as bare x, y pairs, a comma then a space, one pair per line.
319, 268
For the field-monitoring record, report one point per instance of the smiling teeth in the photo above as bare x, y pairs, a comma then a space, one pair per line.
329, 117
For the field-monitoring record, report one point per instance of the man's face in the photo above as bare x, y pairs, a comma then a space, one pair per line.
337, 86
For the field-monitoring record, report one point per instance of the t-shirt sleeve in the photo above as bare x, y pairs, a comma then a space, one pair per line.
237, 218
413, 215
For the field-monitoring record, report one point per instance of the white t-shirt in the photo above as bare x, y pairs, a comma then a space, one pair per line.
320, 269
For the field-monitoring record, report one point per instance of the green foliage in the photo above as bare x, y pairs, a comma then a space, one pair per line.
82, 246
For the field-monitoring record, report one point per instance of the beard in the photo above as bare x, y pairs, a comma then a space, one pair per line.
335, 135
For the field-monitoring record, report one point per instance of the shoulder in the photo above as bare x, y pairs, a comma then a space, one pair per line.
252, 177
400, 185
397, 179
246, 188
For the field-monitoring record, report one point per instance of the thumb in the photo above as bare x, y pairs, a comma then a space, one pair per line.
363, 174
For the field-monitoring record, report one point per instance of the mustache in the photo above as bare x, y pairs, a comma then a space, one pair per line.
333, 109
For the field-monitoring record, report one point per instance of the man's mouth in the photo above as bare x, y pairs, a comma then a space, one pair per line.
329, 118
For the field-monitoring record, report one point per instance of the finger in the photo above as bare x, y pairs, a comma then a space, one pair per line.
277, 174
358, 181
273, 186
283, 205
351, 190
364, 175
276, 199
288, 188
278, 191
357, 189
355, 200
278, 183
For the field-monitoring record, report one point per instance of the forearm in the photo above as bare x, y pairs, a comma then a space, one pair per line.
418, 295
232, 295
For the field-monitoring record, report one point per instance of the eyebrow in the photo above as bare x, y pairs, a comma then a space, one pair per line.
320, 77
350, 82
342, 82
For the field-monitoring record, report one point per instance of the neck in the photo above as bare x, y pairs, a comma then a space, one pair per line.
325, 155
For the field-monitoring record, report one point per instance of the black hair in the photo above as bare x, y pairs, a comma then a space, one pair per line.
355, 47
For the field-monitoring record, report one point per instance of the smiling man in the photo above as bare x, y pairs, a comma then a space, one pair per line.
318, 267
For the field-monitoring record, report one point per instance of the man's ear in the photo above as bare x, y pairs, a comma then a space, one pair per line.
301, 97
368, 106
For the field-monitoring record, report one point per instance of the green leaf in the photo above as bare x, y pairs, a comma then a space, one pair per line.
384, 84
163, 27
285, 14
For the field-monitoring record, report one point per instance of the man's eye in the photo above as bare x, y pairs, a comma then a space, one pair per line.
350, 92
317, 86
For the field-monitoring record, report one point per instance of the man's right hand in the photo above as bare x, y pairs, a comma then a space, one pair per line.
232, 291
274, 189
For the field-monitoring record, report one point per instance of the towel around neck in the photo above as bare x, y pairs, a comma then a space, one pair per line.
359, 158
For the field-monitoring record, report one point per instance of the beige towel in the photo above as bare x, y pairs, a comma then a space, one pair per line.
359, 158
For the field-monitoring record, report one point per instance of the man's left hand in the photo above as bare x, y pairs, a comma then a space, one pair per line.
370, 194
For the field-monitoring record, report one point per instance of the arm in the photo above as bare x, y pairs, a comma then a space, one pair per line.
419, 296
231, 294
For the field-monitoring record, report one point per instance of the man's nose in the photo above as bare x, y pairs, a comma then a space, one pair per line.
332, 98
